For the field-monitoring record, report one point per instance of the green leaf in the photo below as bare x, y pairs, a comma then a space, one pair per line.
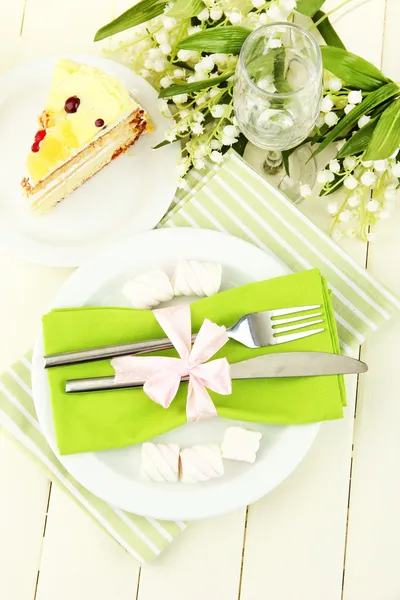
182, 65
286, 154
358, 142
285, 160
386, 137
141, 12
352, 69
327, 30
184, 9
280, 81
309, 7
371, 101
273, 65
280, 65
162, 144
334, 186
264, 65
227, 40
240, 145
196, 86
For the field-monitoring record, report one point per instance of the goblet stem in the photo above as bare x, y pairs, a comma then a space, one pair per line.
273, 162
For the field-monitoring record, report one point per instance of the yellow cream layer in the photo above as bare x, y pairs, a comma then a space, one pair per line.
80, 168
101, 97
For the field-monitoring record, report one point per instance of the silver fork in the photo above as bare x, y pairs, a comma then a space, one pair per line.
253, 330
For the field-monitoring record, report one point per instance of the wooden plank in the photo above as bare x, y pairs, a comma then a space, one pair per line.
373, 544
360, 25
211, 549
295, 536
80, 560
205, 560
21, 520
24, 491
203, 563
295, 540
55, 26
26, 293
11, 20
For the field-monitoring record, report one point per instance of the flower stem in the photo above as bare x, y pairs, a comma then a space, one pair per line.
330, 12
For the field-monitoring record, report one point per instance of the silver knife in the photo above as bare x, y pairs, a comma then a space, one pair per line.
282, 364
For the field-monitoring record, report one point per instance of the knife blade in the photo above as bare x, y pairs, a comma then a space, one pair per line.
282, 364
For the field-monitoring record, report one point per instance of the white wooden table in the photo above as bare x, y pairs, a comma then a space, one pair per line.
330, 532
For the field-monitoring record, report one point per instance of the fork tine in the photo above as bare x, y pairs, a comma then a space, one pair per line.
298, 326
281, 312
290, 337
279, 322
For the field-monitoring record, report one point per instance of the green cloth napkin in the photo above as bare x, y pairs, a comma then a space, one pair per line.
114, 419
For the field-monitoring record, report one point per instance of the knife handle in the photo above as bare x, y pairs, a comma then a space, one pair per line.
97, 384
82, 356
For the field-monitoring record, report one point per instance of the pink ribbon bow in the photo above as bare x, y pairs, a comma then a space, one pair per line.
162, 374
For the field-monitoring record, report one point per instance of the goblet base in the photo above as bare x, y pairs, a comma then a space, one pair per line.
302, 169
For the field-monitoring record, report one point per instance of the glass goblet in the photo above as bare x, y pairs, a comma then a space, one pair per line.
277, 97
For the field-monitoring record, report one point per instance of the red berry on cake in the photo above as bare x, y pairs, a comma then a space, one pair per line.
72, 104
40, 135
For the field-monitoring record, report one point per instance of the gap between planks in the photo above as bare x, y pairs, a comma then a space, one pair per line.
350, 476
243, 552
354, 420
22, 17
385, 11
138, 584
43, 536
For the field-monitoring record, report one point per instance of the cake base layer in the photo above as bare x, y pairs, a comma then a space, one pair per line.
69, 176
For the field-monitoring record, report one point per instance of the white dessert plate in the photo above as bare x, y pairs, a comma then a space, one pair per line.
128, 196
114, 474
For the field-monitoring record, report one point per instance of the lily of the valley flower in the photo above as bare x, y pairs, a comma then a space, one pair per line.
305, 191
363, 121
355, 97
335, 84
350, 182
334, 166
331, 119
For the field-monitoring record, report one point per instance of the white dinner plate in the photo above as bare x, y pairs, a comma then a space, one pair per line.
128, 196
114, 474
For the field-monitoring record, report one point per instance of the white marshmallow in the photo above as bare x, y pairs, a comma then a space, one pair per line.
193, 278
160, 462
241, 444
201, 463
148, 289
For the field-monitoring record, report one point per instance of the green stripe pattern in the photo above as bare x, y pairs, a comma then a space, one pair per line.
235, 199
232, 198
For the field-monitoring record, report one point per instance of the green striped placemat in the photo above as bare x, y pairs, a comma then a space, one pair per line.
235, 199
232, 198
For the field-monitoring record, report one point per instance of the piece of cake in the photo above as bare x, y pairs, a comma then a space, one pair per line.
89, 118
